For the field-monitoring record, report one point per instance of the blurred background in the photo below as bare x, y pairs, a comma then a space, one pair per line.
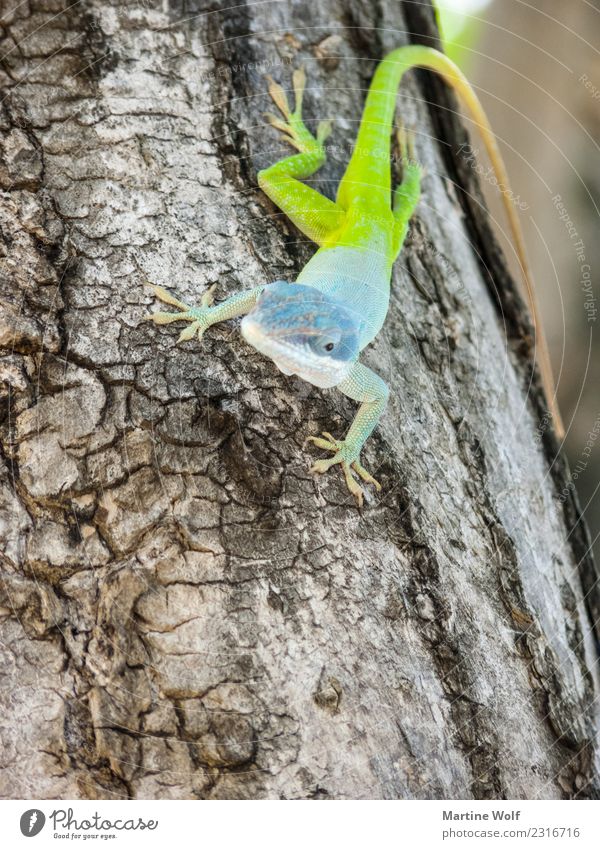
536, 68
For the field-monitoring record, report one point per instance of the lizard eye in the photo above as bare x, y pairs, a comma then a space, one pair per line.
326, 343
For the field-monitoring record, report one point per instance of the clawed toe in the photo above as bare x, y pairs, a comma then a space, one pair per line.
319, 467
365, 475
279, 97
164, 317
276, 122
167, 297
406, 142
328, 444
208, 299
341, 456
324, 130
191, 331
355, 488
195, 315
293, 130
299, 83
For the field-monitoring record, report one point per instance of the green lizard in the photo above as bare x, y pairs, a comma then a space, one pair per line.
317, 326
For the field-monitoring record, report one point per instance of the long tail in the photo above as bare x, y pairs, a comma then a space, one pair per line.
365, 173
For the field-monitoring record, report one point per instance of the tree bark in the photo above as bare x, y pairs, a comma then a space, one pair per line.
187, 612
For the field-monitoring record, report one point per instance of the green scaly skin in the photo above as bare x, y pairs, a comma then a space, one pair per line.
359, 236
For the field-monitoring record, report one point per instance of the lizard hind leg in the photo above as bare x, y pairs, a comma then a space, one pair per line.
314, 214
406, 142
293, 128
408, 192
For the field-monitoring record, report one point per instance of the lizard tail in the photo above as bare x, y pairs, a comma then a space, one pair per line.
365, 174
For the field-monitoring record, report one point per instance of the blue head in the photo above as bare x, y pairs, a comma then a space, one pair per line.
304, 332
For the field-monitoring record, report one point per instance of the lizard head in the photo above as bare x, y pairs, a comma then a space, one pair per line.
304, 332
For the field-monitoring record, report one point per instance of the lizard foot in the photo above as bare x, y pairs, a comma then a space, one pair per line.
406, 142
347, 458
197, 316
293, 128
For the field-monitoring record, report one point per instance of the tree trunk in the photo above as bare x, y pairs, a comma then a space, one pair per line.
187, 612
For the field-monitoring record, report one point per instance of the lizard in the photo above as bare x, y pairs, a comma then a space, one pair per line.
317, 326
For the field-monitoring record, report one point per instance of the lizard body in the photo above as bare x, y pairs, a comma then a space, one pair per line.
317, 326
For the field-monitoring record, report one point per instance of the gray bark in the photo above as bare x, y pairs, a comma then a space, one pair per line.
186, 611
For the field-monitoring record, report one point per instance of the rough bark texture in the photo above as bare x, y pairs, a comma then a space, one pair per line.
187, 612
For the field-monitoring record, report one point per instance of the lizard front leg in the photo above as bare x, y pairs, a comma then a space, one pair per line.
205, 315
364, 385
